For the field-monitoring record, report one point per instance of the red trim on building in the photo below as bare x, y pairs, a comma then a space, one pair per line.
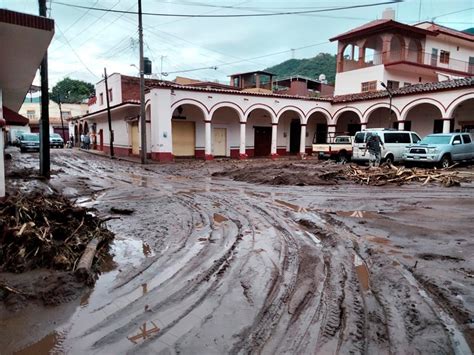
199, 153
426, 66
281, 151
118, 151
162, 156
13, 118
250, 152
26, 20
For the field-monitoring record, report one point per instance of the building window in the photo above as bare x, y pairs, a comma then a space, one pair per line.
393, 85
30, 114
66, 114
369, 86
101, 99
444, 57
110, 95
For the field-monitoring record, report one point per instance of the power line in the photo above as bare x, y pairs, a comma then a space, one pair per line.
75, 53
236, 15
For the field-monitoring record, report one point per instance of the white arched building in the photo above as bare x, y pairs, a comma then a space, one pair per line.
187, 121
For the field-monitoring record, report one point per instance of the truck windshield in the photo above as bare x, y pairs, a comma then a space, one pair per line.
31, 137
435, 140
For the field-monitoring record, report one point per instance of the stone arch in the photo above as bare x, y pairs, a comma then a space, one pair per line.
263, 107
317, 121
230, 105
285, 109
419, 101
225, 127
289, 119
460, 110
370, 110
192, 102
397, 48
424, 116
415, 51
372, 49
347, 121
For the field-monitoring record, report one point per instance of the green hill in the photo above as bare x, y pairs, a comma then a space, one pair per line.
323, 63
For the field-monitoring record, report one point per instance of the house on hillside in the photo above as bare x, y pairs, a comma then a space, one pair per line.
247, 119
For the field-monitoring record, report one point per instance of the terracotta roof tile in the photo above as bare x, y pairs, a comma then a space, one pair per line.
13, 118
407, 90
452, 32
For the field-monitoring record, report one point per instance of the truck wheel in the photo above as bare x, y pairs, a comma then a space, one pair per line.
445, 161
22, 150
389, 159
342, 158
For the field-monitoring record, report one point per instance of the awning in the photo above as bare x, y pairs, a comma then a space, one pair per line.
13, 118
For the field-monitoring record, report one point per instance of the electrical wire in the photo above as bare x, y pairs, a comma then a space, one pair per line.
236, 15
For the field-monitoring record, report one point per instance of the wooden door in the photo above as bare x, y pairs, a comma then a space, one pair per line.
219, 142
295, 136
134, 136
184, 138
262, 141
101, 139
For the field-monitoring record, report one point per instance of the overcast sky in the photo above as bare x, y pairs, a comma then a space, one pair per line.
105, 39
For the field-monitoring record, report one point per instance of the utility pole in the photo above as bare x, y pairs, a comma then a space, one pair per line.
61, 115
109, 116
142, 86
45, 159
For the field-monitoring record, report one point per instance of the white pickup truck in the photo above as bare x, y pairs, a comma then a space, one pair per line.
340, 149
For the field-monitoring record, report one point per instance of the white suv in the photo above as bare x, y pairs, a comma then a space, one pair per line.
394, 144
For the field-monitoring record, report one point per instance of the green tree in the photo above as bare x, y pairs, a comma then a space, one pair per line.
323, 63
71, 90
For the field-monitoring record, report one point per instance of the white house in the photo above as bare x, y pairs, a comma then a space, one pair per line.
206, 122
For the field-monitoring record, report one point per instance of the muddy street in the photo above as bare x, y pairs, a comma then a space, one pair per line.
208, 265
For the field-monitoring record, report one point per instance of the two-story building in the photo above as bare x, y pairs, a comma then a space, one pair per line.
400, 55
250, 119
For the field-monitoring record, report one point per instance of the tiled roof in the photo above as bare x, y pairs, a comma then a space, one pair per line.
407, 90
449, 31
26, 20
231, 91
379, 25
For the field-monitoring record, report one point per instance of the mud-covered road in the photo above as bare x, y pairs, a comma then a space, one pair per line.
207, 265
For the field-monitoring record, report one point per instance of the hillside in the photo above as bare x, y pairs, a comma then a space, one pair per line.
323, 63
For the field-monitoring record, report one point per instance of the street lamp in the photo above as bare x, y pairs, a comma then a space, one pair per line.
390, 102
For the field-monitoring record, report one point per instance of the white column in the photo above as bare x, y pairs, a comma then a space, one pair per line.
303, 140
447, 125
331, 133
161, 137
401, 125
208, 149
243, 132
274, 139
363, 126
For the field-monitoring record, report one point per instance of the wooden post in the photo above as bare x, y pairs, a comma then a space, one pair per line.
109, 115
45, 159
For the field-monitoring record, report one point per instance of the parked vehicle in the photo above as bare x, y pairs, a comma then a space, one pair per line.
55, 140
29, 141
340, 149
442, 149
394, 144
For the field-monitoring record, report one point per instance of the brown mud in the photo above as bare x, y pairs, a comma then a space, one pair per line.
210, 265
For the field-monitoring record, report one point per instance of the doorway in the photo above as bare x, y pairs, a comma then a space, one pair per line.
321, 133
184, 138
219, 142
262, 141
295, 136
134, 136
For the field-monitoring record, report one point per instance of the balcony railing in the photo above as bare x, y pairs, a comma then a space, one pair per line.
423, 58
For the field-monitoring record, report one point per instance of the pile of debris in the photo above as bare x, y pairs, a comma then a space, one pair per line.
389, 174
48, 231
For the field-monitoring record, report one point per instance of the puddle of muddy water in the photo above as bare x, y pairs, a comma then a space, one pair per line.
362, 272
218, 218
295, 208
50, 344
357, 214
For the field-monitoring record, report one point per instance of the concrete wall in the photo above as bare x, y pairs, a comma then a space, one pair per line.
349, 82
459, 51
114, 83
